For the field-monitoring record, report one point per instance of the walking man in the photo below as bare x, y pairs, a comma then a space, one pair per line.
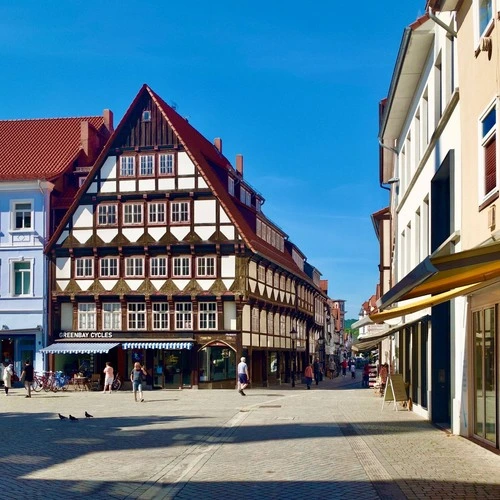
27, 375
243, 377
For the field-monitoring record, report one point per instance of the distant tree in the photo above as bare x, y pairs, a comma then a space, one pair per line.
353, 331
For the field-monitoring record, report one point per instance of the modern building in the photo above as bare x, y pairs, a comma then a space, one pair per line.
445, 258
166, 257
41, 163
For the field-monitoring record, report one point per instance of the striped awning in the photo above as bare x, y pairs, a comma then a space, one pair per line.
79, 348
157, 345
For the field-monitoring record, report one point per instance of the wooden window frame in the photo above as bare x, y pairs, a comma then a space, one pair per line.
160, 315
151, 265
136, 312
157, 204
91, 313
130, 205
107, 214
84, 268
163, 158
106, 276
203, 266
181, 265
114, 316
126, 169
135, 259
183, 315
144, 159
207, 315
184, 216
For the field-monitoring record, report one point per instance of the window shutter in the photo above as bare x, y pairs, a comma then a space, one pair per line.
490, 166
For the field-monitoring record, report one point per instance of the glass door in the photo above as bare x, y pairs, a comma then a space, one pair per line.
485, 401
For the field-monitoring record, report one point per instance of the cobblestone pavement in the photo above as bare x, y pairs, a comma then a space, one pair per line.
277, 443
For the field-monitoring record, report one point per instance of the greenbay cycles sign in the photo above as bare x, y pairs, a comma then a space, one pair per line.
86, 335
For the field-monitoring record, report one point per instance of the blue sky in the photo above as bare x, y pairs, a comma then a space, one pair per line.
293, 88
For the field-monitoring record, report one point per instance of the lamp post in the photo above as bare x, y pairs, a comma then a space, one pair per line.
293, 336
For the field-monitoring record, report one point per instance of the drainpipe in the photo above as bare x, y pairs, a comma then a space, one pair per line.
438, 21
390, 149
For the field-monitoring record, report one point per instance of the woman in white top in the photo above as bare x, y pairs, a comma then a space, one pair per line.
7, 378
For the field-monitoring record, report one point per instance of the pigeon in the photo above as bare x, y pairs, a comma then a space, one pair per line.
62, 417
88, 415
71, 417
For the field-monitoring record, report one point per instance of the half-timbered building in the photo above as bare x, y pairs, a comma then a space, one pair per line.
166, 257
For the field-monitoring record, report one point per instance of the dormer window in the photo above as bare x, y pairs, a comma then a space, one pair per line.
230, 186
146, 116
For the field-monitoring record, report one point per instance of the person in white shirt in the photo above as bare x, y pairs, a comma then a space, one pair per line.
8, 372
243, 377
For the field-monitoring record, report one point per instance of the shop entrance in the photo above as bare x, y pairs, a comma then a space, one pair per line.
172, 369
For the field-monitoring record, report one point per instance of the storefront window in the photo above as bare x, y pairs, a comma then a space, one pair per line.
217, 362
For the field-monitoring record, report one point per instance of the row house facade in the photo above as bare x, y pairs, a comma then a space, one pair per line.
40, 165
438, 161
165, 257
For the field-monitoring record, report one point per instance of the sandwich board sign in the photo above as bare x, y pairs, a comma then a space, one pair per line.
395, 390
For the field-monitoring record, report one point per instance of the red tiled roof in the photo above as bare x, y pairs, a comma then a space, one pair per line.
207, 157
40, 148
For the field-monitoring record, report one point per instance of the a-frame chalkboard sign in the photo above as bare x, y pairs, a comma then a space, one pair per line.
395, 390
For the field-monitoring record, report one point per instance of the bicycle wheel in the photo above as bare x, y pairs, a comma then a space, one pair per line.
37, 385
116, 385
65, 384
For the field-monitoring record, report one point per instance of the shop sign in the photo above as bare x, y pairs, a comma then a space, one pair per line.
86, 335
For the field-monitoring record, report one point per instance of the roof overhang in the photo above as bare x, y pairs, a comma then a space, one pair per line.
438, 274
443, 5
79, 348
413, 52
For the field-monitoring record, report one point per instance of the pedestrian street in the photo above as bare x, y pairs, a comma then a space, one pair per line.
334, 441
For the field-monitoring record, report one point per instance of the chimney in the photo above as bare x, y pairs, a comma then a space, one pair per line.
218, 144
239, 164
107, 116
85, 137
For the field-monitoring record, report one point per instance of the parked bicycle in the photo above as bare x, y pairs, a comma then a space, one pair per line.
117, 383
50, 381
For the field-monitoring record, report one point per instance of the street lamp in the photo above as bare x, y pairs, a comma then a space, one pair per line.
293, 336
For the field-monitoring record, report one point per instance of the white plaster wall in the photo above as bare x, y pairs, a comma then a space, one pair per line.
204, 232
229, 315
204, 212
157, 232
66, 316
228, 266
107, 235
127, 186
83, 216
108, 187
185, 182
166, 184
223, 216
184, 164
82, 235
108, 170
146, 185
228, 232
252, 270
63, 236
63, 268
180, 232
201, 183
133, 233
246, 318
